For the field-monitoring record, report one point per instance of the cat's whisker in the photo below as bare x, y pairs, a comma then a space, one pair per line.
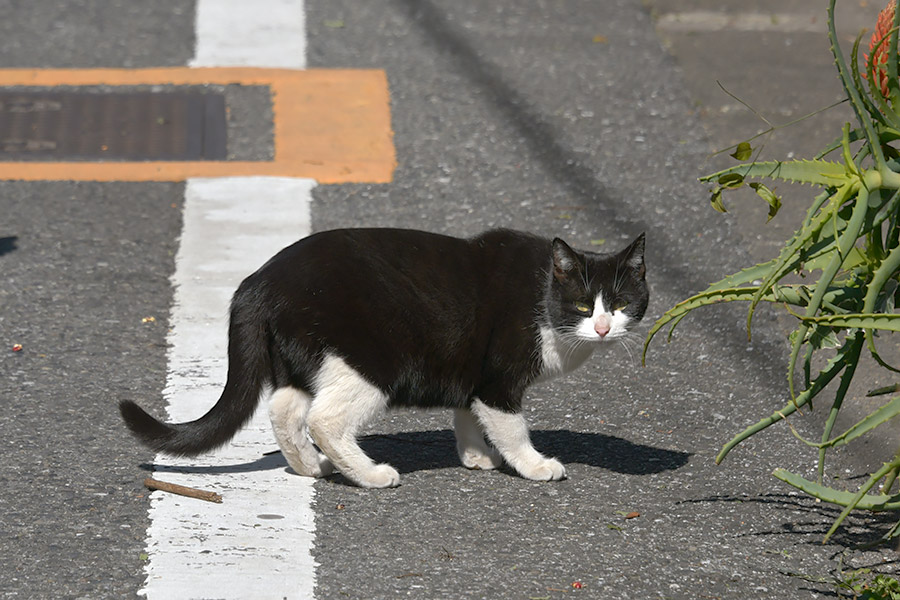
617, 281
627, 341
627, 350
572, 341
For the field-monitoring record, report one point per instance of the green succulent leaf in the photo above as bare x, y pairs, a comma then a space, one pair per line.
731, 181
862, 499
713, 295
827, 494
743, 276
821, 337
853, 94
858, 321
820, 260
888, 389
743, 151
771, 199
716, 200
815, 172
870, 422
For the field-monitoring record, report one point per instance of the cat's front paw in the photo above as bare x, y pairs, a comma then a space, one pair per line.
478, 460
380, 476
547, 469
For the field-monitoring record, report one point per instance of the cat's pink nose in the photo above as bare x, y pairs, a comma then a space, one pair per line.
601, 326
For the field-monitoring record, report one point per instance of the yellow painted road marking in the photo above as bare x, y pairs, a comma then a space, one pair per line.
333, 126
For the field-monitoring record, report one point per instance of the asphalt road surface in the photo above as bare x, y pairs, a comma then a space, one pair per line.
562, 118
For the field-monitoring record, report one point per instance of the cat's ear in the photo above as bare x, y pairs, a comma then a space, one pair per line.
565, 260
633, 255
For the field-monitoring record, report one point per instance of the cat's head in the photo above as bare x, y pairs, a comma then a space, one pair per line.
593, 297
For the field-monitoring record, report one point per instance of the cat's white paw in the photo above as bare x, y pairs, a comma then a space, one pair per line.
547, 469
380, 476
308, 466
478, 460
325, 468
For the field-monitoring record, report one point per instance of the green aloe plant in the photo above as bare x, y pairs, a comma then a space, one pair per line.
847, 248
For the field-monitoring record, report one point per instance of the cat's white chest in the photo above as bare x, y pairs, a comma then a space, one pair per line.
558, 356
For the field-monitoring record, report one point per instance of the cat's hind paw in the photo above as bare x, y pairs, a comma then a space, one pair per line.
480, 461
324, 467
308, 464
547, 469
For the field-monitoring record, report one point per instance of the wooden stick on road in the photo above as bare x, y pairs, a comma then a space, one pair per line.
181, 490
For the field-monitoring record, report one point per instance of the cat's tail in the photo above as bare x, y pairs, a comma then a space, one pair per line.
249, 370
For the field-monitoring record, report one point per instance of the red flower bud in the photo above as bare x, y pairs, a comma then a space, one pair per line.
880, 57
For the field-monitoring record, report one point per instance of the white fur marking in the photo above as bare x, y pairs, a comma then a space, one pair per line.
344, 402
616, 320
559, 356
288, 408
509, 434
473, 451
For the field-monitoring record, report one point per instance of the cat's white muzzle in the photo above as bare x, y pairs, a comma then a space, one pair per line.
602, 325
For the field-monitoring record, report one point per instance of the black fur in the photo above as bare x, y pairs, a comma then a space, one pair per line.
431, 320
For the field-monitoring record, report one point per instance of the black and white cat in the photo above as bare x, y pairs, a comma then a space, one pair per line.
344, 324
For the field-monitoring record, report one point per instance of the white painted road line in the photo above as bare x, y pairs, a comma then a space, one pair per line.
257, 543
250, 33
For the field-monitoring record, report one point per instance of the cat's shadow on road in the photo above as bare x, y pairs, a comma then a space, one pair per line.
413, 451
426, 450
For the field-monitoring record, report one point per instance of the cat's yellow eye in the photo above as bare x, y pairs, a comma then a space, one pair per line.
583, 307
619, 305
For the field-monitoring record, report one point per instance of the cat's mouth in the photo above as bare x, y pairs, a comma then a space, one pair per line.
601, 339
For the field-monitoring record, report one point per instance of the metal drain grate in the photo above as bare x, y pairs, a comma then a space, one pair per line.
122, 126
